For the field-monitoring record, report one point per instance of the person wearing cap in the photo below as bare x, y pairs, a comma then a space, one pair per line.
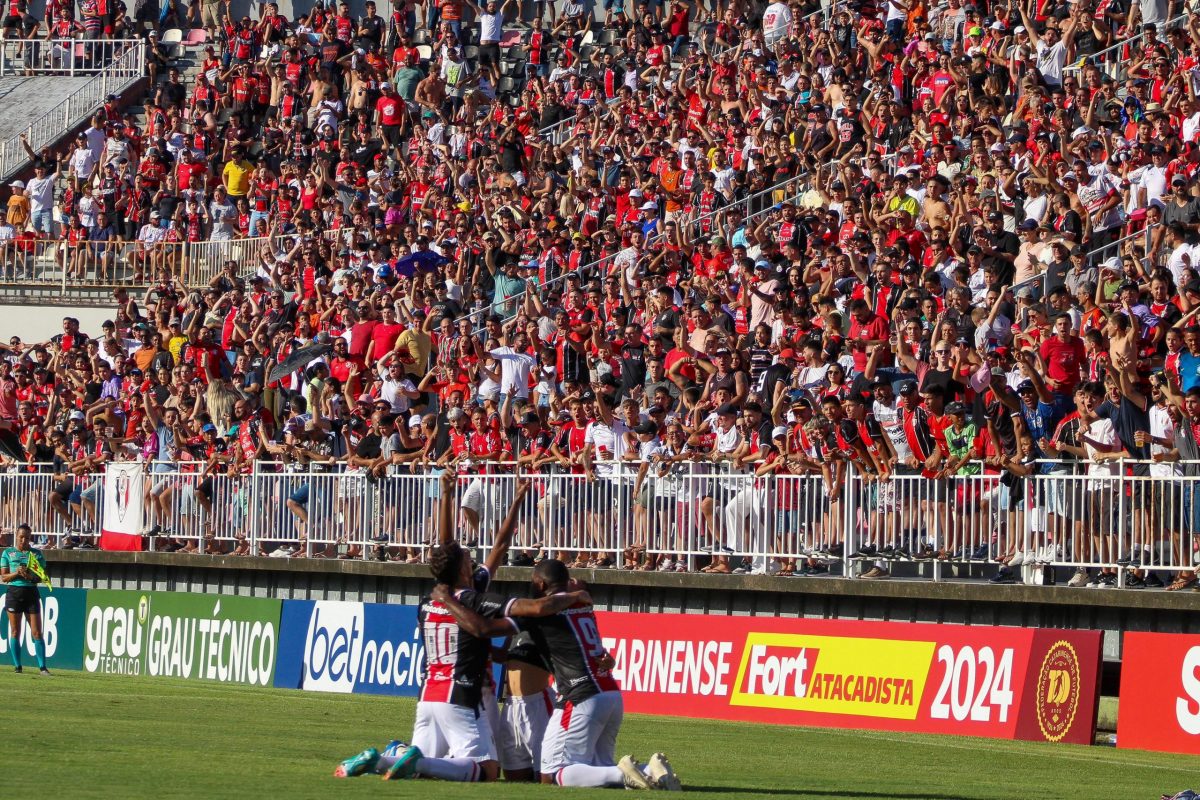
1005, 246
40, 189
1053, 53
965, 446
1183, 207
18, 206
390, 114
235, 177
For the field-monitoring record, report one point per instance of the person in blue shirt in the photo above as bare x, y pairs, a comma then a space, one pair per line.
1034, 403
21, 599
1189, 360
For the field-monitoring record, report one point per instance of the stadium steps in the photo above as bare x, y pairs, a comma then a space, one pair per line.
188, 61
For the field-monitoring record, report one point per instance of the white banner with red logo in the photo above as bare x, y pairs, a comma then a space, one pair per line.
121, 521
1008, 683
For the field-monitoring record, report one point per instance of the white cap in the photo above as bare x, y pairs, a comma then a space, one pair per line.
997, 25
649, 205
18, 184
778, 430
1019, 29
78, 415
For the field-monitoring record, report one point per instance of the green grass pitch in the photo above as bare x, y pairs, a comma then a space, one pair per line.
76, 735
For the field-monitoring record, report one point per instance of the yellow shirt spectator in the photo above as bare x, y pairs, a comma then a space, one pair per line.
237, 177
18, 207
905, 202
175, 347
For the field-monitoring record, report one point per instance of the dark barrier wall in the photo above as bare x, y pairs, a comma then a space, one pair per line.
964, 603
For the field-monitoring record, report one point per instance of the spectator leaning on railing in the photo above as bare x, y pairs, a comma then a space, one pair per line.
934, 338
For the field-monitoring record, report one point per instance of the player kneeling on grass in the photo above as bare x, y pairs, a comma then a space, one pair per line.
21, 569
452, 736
528, 704
579, 748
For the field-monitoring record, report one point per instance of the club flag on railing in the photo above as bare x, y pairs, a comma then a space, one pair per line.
121, 522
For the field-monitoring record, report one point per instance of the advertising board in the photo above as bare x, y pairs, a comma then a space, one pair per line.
1159, 705
173, 634
335, 646
1009, 683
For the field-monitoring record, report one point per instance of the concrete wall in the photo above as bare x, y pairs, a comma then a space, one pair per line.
38, 322
822, 598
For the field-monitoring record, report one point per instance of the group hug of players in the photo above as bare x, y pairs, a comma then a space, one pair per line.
562, 707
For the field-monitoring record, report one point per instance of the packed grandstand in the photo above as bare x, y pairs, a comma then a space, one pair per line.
741, 289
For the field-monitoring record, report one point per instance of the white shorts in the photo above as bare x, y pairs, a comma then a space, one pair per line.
491, 710
444, 730
523, 723
476, 496
584, 733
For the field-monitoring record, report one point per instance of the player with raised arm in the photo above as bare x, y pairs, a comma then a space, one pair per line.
452, 736
21, 568
579, 748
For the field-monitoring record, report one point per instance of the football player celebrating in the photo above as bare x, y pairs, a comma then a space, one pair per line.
579, 747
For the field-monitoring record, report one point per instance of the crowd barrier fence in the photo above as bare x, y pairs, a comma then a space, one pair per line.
1122, 516
113, 64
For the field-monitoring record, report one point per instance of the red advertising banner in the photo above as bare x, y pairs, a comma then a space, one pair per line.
1007, 683
1159, 705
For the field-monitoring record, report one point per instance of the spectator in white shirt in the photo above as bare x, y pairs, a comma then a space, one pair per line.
83, 161
40, 191
515, 367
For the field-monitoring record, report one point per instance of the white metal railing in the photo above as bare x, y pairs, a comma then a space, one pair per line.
113, 65
204, 259
1096, 256
67, 265
1119, 516
1100, 254
61, 57
84, 264
1113, 59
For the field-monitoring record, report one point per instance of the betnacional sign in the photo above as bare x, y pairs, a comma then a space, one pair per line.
1010, 683
344, 647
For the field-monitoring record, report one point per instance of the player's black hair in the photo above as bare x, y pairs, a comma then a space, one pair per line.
445, 562
552, 572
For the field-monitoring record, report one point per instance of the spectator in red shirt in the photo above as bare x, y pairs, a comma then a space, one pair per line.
1063, 357
866, 329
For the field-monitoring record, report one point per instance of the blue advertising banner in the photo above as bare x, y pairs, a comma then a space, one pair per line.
63, 612
334, 646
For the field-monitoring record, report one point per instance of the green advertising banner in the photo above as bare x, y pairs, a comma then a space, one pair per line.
62, 630
172, 634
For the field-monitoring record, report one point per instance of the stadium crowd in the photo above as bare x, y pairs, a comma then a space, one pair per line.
929, 245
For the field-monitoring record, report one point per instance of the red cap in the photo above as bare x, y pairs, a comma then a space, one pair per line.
787, 352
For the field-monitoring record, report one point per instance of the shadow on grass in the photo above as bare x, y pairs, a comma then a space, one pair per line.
801, 792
